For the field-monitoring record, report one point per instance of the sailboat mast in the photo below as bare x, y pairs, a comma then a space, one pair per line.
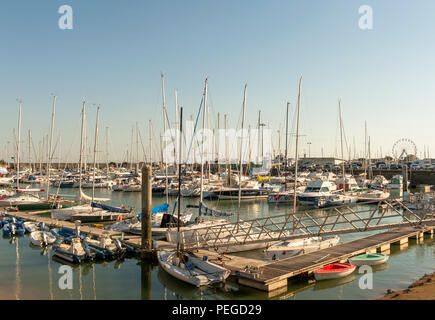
81, 149
204, 112
286, 147
95, 154
50, 146
164, 145
241, 153
151, 143
295, 198
179, 181
227, 169
131, 148
107, 151
30, 154
365, 149
18, 142
341, 142
176, 132
137, 147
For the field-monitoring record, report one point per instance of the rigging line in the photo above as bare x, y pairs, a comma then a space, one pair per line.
141, 142
188, 154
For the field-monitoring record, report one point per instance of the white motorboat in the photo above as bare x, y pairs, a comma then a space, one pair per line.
291, 248
42, 238
190, 269
371, 195
315, 190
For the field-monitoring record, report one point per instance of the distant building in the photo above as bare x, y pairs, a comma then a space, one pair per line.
321, 161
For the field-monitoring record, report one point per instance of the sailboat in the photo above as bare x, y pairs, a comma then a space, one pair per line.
185, 266
92, 211
207, 231
342, 198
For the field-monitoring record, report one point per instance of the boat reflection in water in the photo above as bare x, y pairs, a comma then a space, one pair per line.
328, 284
175, 289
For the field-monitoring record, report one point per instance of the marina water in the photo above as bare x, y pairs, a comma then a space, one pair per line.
28, 272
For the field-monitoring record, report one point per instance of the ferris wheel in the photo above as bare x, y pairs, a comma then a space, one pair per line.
403, 148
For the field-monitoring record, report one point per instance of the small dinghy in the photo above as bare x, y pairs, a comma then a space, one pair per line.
30, 226
334, 271
369, 259
291, 248
190, 269
74, 252
42, 238
109, 248
12, 229
64, 233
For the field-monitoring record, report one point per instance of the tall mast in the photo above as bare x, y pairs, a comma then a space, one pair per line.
227, 170
295, 198
241, 153
107, 151
179, 181
151, 143
369, 164
30, 153
204, 113
164, 132
217, 145
279, 150
286, 147
95, 155
59, 151
341, 142
365, 149
40, 158
18, 142
81, 148
176, 133
50, 146
131, 148
137, 147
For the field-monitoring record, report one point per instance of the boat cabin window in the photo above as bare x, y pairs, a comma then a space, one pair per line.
312, 189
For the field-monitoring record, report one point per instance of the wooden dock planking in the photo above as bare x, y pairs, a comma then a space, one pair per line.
276, 272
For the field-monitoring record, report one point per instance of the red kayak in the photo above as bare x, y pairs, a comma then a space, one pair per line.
334, 270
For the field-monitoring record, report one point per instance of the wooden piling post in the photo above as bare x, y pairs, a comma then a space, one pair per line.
405, 181
146, 244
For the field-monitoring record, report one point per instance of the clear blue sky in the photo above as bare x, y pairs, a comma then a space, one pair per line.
117, 49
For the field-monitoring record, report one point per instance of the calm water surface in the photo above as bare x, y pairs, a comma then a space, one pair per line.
27, 272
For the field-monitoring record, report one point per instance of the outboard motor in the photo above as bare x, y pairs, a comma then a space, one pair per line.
41, 225
13, 228
87, 250
44, 238
118, 244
